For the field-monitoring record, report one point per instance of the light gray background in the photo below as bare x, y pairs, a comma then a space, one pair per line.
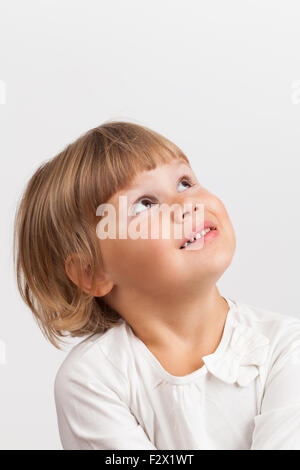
219, 78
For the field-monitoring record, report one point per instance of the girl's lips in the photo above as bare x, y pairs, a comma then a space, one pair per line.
198, 229
200, 242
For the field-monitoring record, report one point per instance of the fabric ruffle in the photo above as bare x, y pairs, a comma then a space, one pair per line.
247, 349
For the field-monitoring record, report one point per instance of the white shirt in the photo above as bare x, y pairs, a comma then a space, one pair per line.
112, 393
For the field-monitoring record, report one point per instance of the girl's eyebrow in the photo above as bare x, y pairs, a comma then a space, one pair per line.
140, 186
134, 189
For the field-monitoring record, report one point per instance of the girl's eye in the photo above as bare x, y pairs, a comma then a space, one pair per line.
187, 180
141, 205
146, 202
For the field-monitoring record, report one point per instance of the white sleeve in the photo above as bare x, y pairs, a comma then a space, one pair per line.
277, 427
92, 413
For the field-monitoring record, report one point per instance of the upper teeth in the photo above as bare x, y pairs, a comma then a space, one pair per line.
198, 235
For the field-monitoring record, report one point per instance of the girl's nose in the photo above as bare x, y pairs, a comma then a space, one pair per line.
186, 209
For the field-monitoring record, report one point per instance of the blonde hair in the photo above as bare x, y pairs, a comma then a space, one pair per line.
56, 216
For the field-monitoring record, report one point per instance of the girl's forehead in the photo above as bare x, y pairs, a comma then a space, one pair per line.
166, 169
144, 177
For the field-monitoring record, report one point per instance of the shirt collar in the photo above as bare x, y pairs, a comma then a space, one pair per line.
243, 350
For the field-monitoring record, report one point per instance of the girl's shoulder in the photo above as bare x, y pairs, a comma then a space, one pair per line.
270, 322
100, 357
282, 329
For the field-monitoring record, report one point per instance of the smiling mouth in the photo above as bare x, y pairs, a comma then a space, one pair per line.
197, 237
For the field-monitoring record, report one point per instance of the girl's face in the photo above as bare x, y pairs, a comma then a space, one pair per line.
154, 266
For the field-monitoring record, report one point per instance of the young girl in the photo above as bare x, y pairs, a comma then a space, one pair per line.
167, 362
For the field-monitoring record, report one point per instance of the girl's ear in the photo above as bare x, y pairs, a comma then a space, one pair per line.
79, 271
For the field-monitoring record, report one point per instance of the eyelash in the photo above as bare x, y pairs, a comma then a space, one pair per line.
184, 177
